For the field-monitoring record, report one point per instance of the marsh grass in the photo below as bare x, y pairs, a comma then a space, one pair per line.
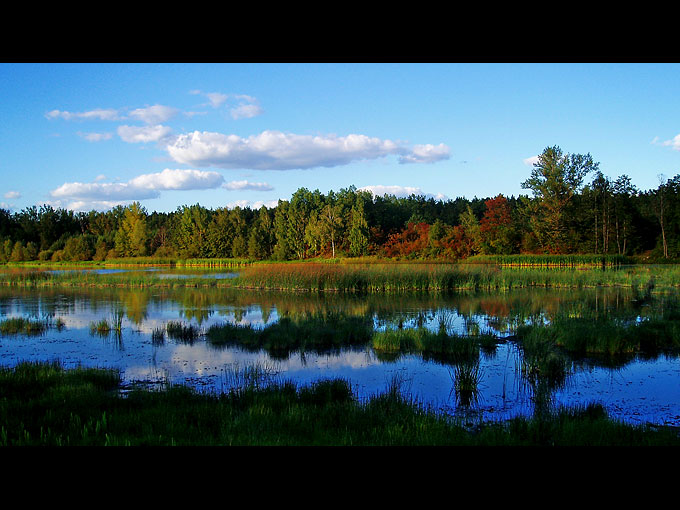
46, 405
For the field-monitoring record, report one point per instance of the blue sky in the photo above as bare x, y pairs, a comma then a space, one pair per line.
89, 136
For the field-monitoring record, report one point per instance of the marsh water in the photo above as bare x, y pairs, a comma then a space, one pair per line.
636, 390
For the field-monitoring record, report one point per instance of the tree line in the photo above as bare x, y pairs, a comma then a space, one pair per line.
571, 207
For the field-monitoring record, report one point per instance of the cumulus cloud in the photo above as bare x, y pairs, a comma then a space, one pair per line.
246, 185
144, 134
12, 194
400, 191
177, 180
99, 194
155, 114
97, 114
112, 191
274, 150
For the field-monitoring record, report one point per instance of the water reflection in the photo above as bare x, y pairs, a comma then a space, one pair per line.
310, 335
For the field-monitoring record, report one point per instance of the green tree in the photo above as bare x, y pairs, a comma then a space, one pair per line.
358, 231
131, 237
555, 179
260, 236
190, 231
282, 249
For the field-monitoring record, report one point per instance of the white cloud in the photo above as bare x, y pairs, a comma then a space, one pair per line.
530, 161
400, 191
245, 185
103, 195
245, 107
245, 111
177, 180
674, 143
95, 137
269, 204
216, 99
112, 191
155, 114
12, 194
144, 134
97, 114
426, 154
274, 150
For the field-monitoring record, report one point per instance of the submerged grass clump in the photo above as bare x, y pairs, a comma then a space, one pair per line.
23, 326
450, 347
310, 333
104, 327
45, 405
178, 330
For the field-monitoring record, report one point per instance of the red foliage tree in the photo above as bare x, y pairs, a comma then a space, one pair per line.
496, 226
410, 242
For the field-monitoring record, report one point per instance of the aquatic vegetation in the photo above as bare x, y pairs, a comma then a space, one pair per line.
466, 378
452, 348
47, 405
24, 326
178, 330
104, 327
367, 278
158, 336
608, 337
420, 277
313, 333
549, 260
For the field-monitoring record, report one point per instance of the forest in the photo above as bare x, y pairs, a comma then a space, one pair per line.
570, 207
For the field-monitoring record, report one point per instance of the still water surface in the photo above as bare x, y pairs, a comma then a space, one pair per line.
636, 390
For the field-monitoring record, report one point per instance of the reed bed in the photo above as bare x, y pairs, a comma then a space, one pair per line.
210, 263
371, 278
444, 277
548, 260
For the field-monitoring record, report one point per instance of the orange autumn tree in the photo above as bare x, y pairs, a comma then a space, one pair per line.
496, 228
410, 242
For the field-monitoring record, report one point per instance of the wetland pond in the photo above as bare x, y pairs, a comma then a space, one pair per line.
636, 389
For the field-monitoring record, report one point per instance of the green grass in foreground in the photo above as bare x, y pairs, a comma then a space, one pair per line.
44, 404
